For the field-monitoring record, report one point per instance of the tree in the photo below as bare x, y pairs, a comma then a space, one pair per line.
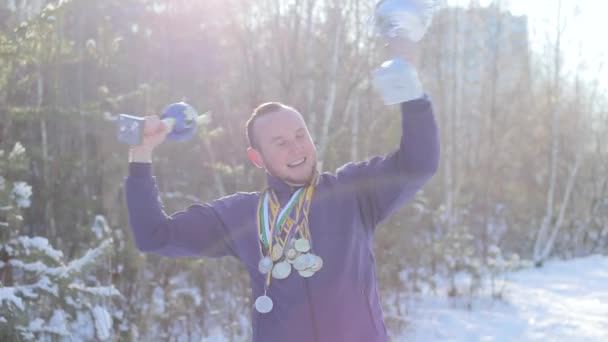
42, 296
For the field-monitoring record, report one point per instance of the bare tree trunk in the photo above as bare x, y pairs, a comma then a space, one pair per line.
332, 84
310, 88
547, 226
558, 224
488, 201
354, 142
598, 192
48, 206
450, 128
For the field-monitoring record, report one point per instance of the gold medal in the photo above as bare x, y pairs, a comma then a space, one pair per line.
263, 304
277, 252
302, 245
281, 270
265, 265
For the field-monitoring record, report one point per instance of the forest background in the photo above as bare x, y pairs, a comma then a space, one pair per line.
523, 176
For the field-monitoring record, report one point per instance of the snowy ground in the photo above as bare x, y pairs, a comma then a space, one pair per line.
563, 301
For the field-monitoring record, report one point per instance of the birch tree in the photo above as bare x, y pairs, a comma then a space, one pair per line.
550, 224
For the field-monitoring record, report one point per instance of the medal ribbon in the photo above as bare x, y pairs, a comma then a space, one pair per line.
269, 227
268, 206
284, 223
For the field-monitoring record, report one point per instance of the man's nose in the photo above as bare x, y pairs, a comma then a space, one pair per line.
297, 147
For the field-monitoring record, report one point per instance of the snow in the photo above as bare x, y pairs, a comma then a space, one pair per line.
562, 301
36, 324
17, 152
21, 193
40, 244
55, 326
7, 294
158, 301
57, 323
36, 267
100, 227
103, 322
98, 291
76, 266
82, 326
45, 284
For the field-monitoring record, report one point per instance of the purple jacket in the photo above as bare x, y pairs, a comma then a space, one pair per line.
340, 302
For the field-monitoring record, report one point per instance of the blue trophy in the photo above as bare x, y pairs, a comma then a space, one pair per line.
400, 22
181, 118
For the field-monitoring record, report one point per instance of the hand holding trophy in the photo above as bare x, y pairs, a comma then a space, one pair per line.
401, 23
180, 119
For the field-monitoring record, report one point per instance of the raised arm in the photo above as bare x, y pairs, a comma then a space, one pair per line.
198, 230
383, 184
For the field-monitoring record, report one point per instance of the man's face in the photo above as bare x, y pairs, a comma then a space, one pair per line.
285, 147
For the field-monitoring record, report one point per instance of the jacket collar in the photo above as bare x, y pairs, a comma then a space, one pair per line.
279, 186
283, 189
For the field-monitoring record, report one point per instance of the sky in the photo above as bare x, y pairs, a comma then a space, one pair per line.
585, 42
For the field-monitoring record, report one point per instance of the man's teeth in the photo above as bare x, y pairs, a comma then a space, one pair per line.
297, 162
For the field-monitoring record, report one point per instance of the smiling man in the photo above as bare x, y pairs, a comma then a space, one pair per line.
287, 150
306, 239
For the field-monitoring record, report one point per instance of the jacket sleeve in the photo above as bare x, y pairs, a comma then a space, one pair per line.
196, 231
383, 184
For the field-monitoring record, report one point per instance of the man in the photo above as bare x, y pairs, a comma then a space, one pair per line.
306, 240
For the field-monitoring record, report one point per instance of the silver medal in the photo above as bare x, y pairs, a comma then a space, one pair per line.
263, 304
281, 270
317, 264
306, 273
310, 260
301, 262
302, 245
265, 265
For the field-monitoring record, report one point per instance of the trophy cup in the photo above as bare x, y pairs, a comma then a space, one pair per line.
400, 22
181, 118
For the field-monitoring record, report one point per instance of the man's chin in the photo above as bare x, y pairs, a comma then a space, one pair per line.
299, 181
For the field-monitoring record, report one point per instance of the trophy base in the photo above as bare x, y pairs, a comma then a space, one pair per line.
397, 81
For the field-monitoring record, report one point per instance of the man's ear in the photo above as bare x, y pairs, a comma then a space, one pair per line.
255, 157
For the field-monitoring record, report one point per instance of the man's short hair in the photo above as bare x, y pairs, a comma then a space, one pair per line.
261, 110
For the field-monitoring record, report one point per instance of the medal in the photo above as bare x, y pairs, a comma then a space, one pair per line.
302, 245
265, 265
317, 264
278, 226
306, 273
310, 260
291, 254
277, 252
301, 262
263, 304
281, 270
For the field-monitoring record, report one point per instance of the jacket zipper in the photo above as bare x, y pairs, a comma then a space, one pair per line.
312, 315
